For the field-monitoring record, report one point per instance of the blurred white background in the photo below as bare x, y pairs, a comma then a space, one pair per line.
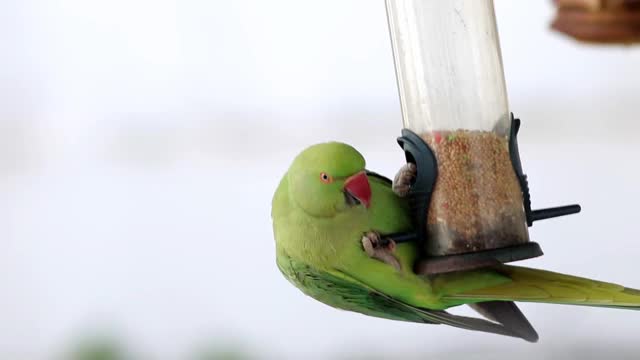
141, 142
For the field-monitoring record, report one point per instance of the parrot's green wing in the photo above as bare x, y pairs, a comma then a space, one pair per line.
533, 285
339, 290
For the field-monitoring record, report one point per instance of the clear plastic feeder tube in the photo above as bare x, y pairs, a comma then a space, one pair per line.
453, 95
448, 64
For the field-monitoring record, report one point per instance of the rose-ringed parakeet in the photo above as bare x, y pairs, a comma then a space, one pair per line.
330, 217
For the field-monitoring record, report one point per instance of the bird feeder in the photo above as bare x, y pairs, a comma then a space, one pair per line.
470, 197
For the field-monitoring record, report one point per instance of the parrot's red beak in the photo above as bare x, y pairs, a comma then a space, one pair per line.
357, 188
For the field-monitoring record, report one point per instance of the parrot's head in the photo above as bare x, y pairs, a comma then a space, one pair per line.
329, 178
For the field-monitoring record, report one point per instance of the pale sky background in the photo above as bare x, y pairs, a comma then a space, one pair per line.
141, 142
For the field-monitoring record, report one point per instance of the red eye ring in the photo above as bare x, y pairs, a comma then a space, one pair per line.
326, 178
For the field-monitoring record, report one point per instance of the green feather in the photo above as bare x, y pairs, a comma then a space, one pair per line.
343, 292
533, 285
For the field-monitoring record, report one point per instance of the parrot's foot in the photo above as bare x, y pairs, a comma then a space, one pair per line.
380, 248
404, 178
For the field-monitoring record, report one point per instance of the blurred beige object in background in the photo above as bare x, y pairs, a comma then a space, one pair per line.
599, 21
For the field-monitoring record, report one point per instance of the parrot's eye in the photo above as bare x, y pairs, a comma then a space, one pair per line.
325, 178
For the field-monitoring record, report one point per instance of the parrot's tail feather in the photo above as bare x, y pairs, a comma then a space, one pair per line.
533, 285
475, 324
509, 315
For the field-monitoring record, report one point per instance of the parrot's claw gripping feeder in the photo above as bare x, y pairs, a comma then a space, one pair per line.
470, 197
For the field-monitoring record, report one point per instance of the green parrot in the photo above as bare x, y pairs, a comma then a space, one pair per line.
330, 217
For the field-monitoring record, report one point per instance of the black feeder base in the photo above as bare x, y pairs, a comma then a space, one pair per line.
476, 260
419, 153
